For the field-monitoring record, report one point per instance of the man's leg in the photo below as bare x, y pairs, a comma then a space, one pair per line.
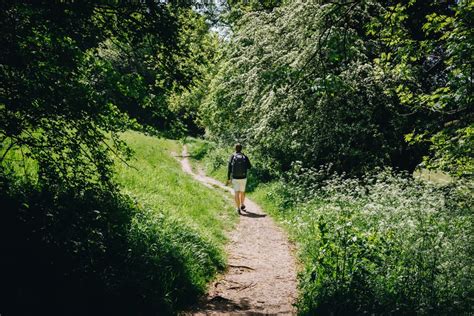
242, 197
242, 194
236, 194
237, 199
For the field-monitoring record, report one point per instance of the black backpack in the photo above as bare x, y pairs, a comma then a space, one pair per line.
239, 166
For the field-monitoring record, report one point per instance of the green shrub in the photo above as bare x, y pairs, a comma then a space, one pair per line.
217, 160
198, 149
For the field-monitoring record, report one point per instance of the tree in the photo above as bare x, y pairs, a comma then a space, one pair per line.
428, 51
300, 83
62, 97
72, 74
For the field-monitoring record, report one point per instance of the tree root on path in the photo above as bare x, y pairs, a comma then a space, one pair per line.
241, 288
243, 267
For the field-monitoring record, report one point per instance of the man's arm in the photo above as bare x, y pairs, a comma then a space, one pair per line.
249, 165
229, 168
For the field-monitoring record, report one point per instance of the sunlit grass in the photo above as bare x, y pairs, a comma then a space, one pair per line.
18, 160
155, 178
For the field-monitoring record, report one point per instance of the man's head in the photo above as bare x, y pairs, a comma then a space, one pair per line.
238, 147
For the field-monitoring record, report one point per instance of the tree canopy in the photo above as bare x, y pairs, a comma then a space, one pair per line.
353, 84
73, 75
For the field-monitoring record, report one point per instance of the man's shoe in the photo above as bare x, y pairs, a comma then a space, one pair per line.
242, 207
238, 211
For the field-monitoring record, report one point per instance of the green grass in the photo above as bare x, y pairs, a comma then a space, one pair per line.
155, 178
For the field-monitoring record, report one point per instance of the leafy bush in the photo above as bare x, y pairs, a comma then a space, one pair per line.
217, 159
383, 244
198, 148
95, 252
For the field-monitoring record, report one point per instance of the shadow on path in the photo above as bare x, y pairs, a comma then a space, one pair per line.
253, 215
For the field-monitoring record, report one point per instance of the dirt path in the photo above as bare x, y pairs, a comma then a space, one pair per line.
261, 275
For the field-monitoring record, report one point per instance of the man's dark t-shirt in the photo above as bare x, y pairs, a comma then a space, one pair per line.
229, 168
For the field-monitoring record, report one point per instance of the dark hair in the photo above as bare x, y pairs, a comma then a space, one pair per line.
238, 147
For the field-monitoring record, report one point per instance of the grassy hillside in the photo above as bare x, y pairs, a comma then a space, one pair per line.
156, 180
150, 251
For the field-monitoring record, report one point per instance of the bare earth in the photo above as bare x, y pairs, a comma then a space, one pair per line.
261, 274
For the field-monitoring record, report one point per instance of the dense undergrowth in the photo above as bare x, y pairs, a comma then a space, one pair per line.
384, 243
97, 251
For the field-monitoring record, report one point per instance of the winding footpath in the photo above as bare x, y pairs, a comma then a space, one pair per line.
261, 274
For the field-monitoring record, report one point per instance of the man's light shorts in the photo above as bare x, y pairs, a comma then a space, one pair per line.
239, 185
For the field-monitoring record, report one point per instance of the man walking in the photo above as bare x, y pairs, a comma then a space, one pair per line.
238, 166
